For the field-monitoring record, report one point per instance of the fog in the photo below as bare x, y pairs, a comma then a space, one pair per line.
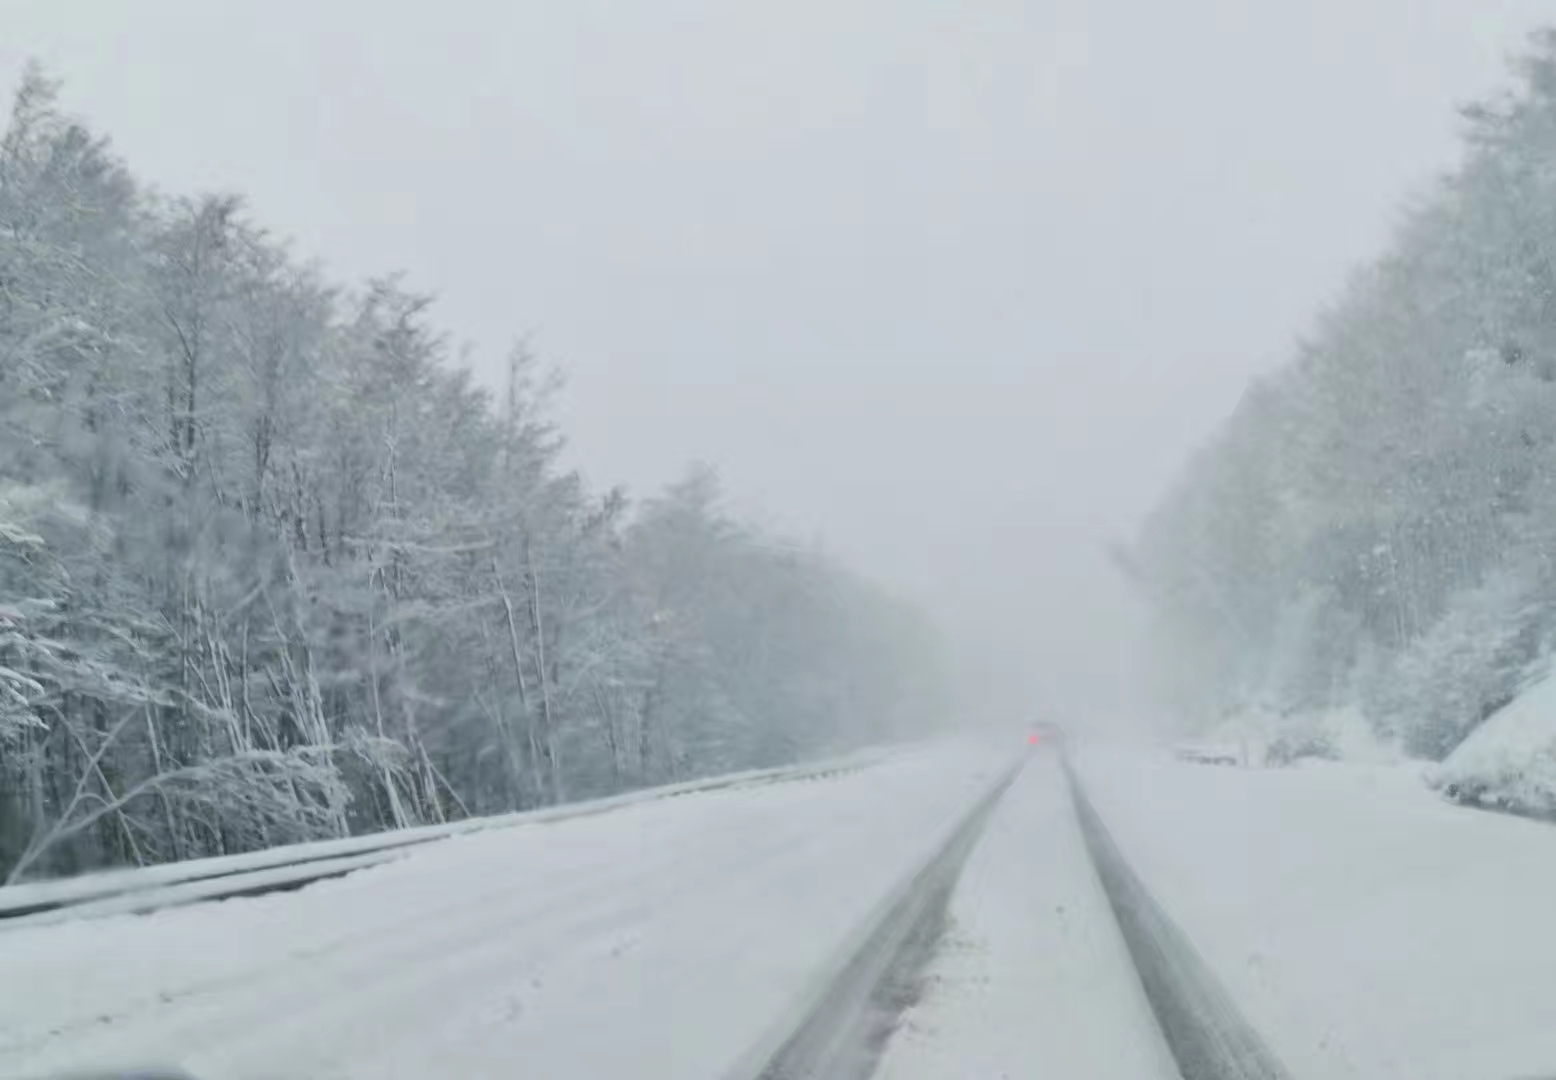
952, 288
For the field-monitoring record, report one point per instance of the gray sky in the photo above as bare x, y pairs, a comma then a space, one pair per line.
955, 286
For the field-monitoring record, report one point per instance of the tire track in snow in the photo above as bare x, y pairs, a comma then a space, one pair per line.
1208, 1036
838, 1029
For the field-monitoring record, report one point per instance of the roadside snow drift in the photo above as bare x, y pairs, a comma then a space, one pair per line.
1365, 927
1510, 760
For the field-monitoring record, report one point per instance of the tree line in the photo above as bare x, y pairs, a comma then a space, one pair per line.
272, 568
1373, 526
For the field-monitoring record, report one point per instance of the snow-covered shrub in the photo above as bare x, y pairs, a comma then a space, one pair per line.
1471, 663
1303, 741
1510, 760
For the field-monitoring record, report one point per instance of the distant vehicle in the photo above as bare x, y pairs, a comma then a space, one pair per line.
1044, 732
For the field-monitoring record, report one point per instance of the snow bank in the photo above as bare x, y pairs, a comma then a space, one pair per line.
1366, 928
1510, 760
128, 891
1259, 738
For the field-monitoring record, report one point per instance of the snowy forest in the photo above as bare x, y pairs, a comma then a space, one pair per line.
273, 568
1372, 529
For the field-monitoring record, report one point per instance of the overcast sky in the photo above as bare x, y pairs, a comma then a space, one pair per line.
954, 286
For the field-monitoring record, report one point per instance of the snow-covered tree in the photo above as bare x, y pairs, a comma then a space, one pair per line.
273, 567
1376, 520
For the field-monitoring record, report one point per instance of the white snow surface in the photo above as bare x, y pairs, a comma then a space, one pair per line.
1512, 756
129, 891
1032, 978
1250, 733
1366, 927
655, 941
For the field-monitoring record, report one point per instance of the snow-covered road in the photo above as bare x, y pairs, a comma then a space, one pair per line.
1365, 927
1032, 978
656, 941
1361, 925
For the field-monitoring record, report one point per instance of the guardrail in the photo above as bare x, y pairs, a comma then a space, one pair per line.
135, 891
